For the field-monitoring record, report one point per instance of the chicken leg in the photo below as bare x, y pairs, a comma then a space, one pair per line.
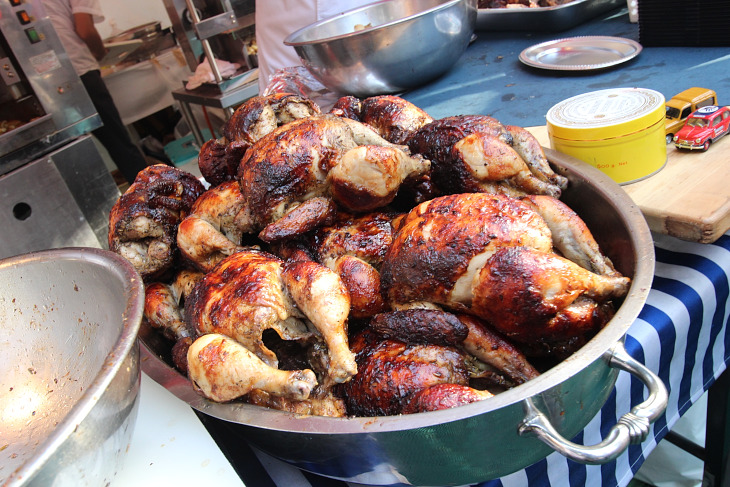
223, 370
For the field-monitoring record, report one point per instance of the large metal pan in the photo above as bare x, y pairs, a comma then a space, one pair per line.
70, 381
487, 439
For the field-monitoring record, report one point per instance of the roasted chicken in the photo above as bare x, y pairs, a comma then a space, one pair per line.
143, 222
394, 118
391, 371
354, 247
289, 176
163, 304
212, 230
218, 158
476, 153
529, 267
418, 360
253, 291
442, 242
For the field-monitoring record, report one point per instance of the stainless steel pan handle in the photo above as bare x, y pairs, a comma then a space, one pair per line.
631, 428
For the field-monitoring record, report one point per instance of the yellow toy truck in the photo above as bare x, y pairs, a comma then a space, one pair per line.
682, 104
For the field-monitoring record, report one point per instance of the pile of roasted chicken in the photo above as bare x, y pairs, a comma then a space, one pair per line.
367, 261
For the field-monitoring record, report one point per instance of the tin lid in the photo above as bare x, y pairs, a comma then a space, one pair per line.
606, 114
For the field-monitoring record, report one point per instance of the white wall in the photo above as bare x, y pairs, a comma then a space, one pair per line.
125, 14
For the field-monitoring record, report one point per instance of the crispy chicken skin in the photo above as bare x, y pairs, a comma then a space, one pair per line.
443, 396
143, 222
222, 370
309, 227
163, 304
435, 140
218, 158
393, 117
253, 291
300, 160
390, 371
211, 232
261, 115
494, 256
488, 165
419, 359
477, 153
354, 247
491, 348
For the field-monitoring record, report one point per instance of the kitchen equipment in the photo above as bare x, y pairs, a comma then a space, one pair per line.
50, 170
619, 130
215, 29
71, 375
543, 19
483, 440
386, 47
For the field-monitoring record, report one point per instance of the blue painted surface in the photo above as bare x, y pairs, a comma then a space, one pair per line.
489, 78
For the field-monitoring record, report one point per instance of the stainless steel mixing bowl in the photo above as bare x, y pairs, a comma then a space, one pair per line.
485, 439
386, 47
71, 375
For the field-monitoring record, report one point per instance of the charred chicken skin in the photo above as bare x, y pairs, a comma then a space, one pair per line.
212, 230
354, 247
143, 222
476, 153
394, 118
218, 158
529, 267
449, 297
253, 291
391, 371
417, 360
299, 167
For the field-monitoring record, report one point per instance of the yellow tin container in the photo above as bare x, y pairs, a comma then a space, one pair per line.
620, 131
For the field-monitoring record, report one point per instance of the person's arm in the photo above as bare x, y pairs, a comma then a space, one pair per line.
84, 25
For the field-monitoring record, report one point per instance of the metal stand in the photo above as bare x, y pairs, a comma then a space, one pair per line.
717, 438
210, 96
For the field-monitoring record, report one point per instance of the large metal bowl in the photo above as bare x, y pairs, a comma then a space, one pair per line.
486, 439
70, 381
386, 47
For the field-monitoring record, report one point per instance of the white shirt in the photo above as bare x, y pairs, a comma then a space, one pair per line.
276, 19
61, 14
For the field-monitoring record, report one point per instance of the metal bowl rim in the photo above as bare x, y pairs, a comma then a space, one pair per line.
290, 40
112, 362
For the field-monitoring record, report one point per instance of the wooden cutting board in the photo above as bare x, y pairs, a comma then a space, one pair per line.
689, 198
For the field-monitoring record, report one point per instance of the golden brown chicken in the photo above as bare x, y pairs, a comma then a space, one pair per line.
391, 371
416, 360
354, 247
529, 267
218, 158
163, 304
393, 117
253, 291
211, 232
143, 222
222, 369
477, 153
292, 173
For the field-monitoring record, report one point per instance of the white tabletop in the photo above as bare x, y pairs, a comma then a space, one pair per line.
170, 446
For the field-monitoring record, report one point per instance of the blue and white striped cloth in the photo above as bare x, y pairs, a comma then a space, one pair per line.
681, 334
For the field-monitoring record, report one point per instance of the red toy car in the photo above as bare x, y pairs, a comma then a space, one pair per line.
703, 127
